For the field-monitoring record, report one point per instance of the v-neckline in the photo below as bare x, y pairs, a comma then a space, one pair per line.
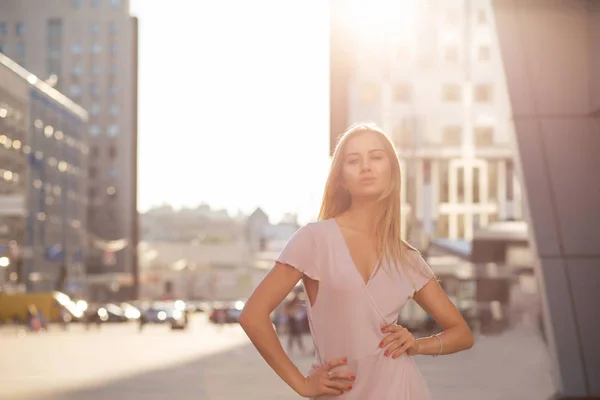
354, 267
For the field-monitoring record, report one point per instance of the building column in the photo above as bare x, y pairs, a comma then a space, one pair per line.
502, 190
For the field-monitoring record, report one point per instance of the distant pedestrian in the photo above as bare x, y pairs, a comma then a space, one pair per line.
294, 314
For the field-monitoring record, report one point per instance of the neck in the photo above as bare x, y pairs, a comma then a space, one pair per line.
363, 213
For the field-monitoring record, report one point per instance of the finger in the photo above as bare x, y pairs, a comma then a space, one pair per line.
391, 328
339, 385
392, 337
402, 349
331, 391
334, 363
401, 338
342, 375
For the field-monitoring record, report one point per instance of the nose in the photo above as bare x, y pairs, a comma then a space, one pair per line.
366, 165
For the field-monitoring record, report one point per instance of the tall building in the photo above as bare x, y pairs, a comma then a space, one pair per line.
430, 74
43, 196
87, 49
551, 56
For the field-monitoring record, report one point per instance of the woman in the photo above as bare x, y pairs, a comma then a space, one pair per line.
358, 274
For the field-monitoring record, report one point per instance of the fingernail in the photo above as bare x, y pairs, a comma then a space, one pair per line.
395, 356
386, 352
350, 387
345, 360
352, 377
381, 344
382, 329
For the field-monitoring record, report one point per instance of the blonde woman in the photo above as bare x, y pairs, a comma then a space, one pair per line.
358, 274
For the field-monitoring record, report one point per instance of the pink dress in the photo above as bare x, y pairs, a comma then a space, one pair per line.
347, 315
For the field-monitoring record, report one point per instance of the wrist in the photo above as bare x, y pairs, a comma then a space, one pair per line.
299, 384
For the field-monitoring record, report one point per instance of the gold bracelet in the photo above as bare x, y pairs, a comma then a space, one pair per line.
441, 344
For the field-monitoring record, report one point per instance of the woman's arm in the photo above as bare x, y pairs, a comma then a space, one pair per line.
456, 335
256, 322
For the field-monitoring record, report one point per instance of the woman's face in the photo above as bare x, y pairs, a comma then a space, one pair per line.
366, 168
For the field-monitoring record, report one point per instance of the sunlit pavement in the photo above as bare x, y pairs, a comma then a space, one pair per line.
205, 362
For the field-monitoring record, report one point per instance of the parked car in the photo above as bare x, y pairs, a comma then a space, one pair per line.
173, 313
226, 312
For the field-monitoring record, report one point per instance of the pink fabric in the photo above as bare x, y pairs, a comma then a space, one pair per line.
347, 316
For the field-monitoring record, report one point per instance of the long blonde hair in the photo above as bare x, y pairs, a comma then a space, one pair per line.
336, 199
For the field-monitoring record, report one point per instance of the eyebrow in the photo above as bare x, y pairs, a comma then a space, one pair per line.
357, 154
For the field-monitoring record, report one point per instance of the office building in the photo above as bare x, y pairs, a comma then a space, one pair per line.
87, 49
551, 60
43, 193
430, 74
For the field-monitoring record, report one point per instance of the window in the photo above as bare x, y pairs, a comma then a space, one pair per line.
95, 109
20, 29
483, 93
402, 93
452, 135
112, 27
75, 91
77, 69
114, 110
114, 48
94, 89
115, 3
113, 69
3, 28
96, 69
451, 54
484, 136
95, 3
451, 93
91, 193
95, 27
76, 3
404, 133
369, 93
112, 152
113, 89
96, 48
481, 17
112, 173
20, 49
76, 49
483, 53
94, 151
2, 50
112, 131
94, 130
92, 172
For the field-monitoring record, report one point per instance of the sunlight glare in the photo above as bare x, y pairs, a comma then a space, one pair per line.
376, 19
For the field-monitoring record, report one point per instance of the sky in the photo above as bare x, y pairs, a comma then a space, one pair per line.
234, 104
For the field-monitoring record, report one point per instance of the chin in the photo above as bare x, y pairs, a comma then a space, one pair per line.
369, 193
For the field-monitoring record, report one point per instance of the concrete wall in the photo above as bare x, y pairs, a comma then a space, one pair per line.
551, 54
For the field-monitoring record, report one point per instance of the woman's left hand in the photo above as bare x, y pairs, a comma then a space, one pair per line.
398, 341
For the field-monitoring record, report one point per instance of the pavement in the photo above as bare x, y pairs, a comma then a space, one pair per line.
218, 363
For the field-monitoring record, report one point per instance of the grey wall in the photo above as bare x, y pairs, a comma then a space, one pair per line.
551, 54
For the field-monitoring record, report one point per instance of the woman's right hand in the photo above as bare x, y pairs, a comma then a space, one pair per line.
322, 381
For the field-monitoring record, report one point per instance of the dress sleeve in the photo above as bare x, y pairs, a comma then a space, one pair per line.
300, 252
418, 270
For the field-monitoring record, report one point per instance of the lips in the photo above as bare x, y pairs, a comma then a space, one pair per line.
367, 180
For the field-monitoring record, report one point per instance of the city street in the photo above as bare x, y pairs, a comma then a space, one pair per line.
206, 362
